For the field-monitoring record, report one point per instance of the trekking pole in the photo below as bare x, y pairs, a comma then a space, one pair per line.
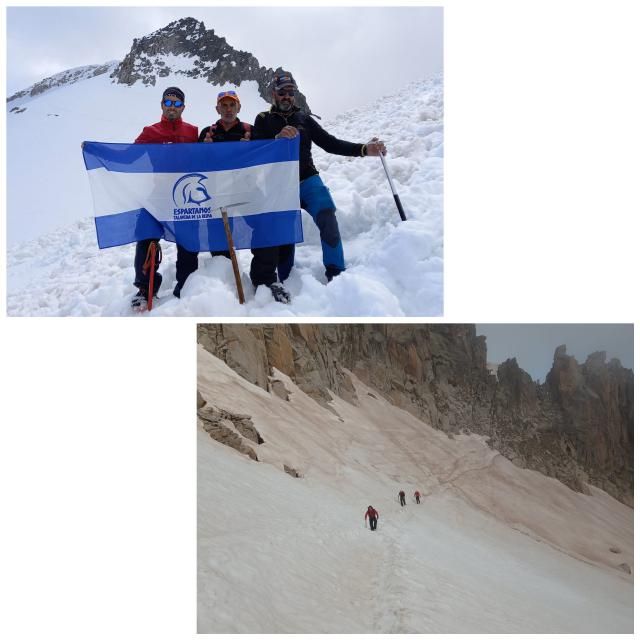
232, 253
393, 188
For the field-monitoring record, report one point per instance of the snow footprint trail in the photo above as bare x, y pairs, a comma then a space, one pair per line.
391, 597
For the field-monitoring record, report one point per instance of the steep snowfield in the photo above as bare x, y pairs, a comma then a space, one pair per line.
491, 549
54, 266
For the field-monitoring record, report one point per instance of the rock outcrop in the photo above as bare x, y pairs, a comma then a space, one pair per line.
228, 428
71, 76
577, 426
207, 56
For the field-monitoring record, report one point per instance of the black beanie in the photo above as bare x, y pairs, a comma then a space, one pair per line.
173, 91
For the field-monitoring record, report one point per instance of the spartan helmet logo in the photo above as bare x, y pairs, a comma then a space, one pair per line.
190, 190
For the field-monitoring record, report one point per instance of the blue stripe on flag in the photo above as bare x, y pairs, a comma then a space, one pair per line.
123, 228
261, 230
188, 157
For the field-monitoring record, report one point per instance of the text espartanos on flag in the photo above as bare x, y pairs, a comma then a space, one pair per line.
177, 192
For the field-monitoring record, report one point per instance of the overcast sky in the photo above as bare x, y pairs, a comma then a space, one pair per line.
533, 345
342, 57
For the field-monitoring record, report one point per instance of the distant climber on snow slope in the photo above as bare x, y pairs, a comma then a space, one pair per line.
402, 500
372, 514
416, 495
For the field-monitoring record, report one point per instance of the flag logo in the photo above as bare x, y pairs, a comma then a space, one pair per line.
190, 190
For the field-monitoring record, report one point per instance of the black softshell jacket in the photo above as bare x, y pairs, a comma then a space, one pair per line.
269, 123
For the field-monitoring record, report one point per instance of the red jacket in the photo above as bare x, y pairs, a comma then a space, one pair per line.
417, 494
371, 513
169, 131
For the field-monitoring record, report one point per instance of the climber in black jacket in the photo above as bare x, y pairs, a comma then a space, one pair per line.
285, 119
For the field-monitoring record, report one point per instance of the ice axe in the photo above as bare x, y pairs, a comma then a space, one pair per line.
149, 266
232, 253
393, 188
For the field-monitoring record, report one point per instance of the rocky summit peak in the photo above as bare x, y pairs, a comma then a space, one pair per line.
186, 47
184, 24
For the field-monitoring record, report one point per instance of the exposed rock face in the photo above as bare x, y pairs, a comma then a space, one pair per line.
229, 428
70, 76
594, 403
277, 387
291, 471
209, 57
576, 427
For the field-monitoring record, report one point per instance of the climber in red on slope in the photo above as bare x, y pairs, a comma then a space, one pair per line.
372, 514
416, 495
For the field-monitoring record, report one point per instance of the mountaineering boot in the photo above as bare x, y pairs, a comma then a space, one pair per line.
331, 272
139, 301
279, 293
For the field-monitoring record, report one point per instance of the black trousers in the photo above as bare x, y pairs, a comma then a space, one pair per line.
373, 523
270, 262
402, 502
418, 499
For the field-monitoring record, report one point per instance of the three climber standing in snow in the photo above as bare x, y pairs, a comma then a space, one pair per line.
372, 514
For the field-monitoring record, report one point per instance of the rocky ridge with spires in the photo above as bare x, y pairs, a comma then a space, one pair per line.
577, 426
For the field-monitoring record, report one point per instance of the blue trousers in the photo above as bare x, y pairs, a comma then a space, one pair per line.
317, 201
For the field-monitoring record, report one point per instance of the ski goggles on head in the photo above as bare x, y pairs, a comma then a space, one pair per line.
286, 92
228, 94
173, 103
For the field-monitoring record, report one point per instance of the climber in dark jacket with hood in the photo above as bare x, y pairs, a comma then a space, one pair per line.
285, 119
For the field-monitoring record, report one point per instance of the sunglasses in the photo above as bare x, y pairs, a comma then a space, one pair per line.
173, 103
225, 94
287, 92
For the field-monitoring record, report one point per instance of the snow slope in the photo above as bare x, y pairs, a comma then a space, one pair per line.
492, 548
54, 266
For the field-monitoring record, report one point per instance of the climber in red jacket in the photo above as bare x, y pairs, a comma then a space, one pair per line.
372, 514
416, 495
171, 129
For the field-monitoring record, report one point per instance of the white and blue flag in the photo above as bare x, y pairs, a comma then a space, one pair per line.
177, 192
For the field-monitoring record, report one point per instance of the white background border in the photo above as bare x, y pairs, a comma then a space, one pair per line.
97, 455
